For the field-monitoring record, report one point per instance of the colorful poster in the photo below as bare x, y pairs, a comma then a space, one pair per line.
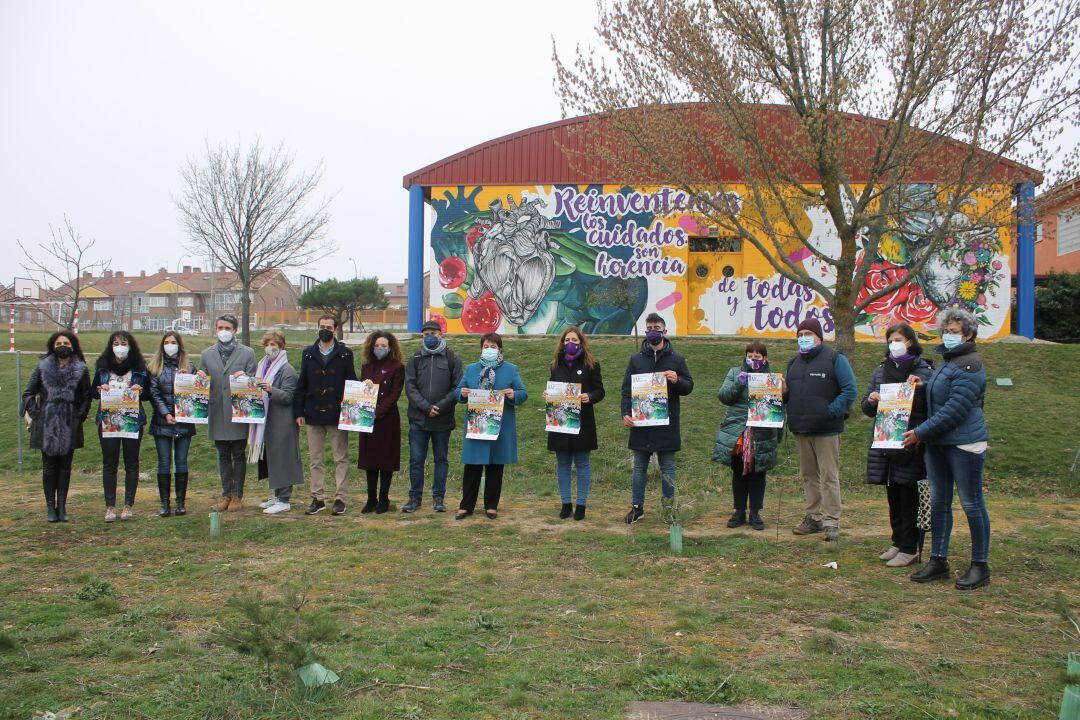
893, 414
358, 406
191, 398
766, 392
248, 402
562, 408
120, 409
648, 399
483, 416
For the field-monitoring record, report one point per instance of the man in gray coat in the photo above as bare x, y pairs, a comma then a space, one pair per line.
225, 359
431, 378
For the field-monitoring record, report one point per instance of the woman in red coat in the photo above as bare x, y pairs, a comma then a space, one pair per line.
380, 450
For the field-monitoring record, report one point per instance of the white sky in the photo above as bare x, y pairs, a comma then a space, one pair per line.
101, 102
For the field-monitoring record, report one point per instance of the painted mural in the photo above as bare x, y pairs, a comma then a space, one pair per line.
536, 259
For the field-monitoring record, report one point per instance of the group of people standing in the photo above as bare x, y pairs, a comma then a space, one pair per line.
946, 442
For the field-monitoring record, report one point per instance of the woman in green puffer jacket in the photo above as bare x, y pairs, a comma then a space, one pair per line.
751, 452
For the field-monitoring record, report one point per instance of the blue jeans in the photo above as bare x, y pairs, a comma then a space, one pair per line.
168, 448
948, 466
641, 474
418, 450
563, 460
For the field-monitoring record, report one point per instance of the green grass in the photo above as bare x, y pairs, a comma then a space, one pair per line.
532, 617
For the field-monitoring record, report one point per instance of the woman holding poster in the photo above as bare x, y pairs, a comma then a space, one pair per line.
898, 469
121, 383
750, 451
488, 457
575, 367
275, 444
171, 438
380, 449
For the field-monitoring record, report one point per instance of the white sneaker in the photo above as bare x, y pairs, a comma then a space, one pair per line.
901, 560
277, 507
889, 554
268, 503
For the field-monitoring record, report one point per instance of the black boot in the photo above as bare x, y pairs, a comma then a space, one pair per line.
372, 489
164, 485
566, 511
976, 576
755, 520
579, 512
181, 494
737, 519
936, 569
48, 484
62, 485
384, 494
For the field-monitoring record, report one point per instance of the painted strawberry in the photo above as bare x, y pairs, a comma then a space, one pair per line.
481, 315
439, 319
452, 272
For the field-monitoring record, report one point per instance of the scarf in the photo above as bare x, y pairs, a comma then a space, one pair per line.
225, 351
439, 349
267, 370
748, 451
57, 415
487, 374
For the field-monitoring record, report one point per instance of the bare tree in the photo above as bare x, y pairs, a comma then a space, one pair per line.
63, 265
249, 211
763, 110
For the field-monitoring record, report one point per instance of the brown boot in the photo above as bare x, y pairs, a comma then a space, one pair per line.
235, 504
223, 504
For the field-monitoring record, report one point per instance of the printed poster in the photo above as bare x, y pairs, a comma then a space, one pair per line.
766, 391
562, 408
483, 416
120, 413
893, 414
358, 406
248, 402
649, 399
191, 398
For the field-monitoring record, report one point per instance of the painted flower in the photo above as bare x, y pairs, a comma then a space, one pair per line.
996, 265
983, 256
917, 308
950, 241
977, 277
452, 272
968, 290
981, 300
970, 259
882, 275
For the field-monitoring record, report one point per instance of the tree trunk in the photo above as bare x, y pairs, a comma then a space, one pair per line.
843, 315
245, 314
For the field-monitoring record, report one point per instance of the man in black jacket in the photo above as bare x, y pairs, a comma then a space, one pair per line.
324, 368
431, 378
656, 356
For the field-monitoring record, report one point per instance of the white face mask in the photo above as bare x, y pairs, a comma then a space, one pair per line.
225, 336
120, 351
897, 348
272, 351
171, 349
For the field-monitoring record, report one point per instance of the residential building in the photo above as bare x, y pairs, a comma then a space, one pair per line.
1057, 234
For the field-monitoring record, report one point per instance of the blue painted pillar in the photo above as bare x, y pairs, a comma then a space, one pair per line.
1025, 260
416, 258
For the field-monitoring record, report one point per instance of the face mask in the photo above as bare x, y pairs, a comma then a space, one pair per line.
951, 340
489, 355
171, 349
754, 363
431, 341
806, 343
571, 349
225, 336
326, 335
654, 336
380, 353
63, 352
897, 349
121, 352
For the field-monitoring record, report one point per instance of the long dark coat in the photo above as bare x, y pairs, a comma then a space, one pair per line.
36, 395
592, 384
903, 466
381, 448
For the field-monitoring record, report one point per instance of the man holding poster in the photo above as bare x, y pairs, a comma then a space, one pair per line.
648, 434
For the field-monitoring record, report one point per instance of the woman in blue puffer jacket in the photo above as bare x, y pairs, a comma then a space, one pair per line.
955, 435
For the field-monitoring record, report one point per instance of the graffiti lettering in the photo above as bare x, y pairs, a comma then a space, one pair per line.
782, 304
631, 234
575, 205
607, 266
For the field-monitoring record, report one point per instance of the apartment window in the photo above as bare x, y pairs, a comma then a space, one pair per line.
226, 300
83, 304
140, 302
1068, 232
102, 305
154, 322
159, 301
185, 301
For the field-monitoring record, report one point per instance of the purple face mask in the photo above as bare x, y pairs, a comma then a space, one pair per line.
571, 350
654, 336
754, 363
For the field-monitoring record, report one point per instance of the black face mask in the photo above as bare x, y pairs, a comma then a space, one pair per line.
326, 335
63, 352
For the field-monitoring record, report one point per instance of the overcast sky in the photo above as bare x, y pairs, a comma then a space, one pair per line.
101, 102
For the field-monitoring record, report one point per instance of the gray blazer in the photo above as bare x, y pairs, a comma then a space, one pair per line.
282, 438
221, 426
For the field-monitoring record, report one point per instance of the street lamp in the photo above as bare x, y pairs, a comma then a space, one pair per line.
355, 272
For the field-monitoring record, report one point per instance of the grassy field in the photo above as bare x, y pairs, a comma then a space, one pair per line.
532, 617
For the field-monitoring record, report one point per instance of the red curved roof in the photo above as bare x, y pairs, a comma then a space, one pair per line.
539, 155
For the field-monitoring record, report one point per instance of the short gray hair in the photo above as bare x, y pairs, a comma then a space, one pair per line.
968, 324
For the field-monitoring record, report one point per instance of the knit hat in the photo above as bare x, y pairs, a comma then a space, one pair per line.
813, 325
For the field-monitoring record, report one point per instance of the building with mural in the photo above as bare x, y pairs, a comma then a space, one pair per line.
518, 239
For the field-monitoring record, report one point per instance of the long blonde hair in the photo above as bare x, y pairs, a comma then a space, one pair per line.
587, 355
157, 363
